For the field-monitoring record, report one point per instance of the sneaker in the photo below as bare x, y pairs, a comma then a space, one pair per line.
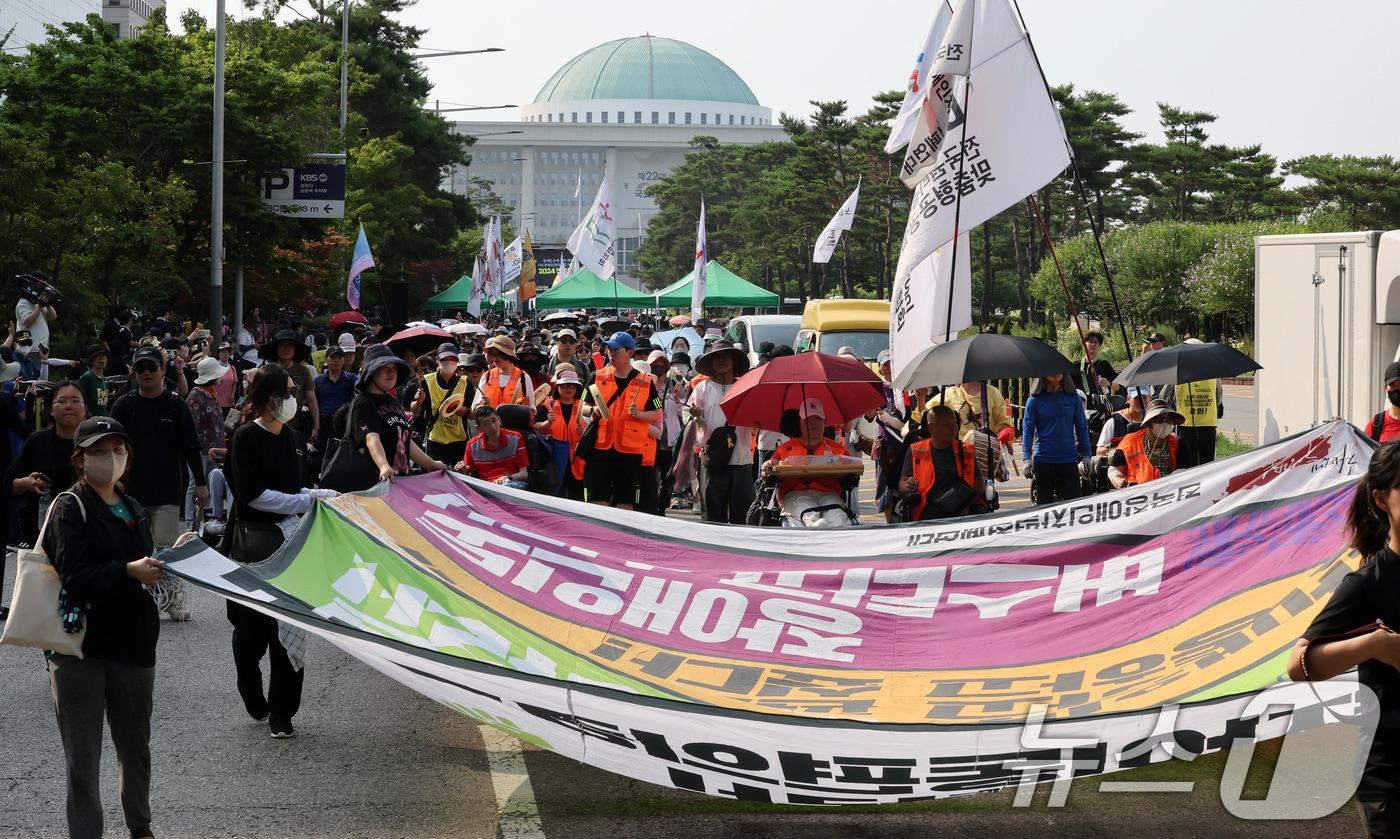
4, 612
282, 729
179, 614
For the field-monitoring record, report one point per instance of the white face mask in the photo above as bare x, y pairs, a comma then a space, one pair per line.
1162, 430
286, 409
682, 369
103, 468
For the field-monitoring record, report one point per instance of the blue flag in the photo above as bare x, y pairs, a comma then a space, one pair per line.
361, 262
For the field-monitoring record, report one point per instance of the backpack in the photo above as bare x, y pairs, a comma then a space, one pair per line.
1377, 426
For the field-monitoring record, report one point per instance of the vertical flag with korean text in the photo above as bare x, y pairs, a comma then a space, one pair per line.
826, 243
903, 126
498, 261
946, 89
527, 269
698, 288
919, 308
1010, 144
360, 262
594, 242
513, 255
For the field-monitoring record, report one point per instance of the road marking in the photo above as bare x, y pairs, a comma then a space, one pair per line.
519, 815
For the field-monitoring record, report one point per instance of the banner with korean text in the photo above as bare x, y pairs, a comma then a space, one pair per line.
869, 665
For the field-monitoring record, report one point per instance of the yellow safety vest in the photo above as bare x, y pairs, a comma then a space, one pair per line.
446, 429
1196, 402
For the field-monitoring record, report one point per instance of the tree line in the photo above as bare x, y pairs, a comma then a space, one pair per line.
105, 149
1179, 215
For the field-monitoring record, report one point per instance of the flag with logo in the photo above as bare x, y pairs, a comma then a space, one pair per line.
903, 127
1010, 144
360, 262
698, 288
941, 109
594, 242
513, 255
826, 243
527, 269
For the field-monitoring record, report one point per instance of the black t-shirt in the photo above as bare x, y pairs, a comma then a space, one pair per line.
163, 444
383, 415
1101, 367
1372, 592
944, 466
44, 452
260, 460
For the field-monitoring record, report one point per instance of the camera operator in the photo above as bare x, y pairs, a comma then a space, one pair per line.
36, 315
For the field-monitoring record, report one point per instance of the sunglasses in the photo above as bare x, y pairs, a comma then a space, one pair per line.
566, 340
146, 367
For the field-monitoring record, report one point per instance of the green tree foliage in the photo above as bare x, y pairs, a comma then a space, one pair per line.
1364, 192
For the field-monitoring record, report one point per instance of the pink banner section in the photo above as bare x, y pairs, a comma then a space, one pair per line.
991, 608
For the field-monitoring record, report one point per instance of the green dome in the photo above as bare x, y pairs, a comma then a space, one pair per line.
646, 67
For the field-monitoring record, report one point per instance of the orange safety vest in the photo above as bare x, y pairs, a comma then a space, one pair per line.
1140, 468
797, 448
621, 432
567, 431
964, 460
496, 395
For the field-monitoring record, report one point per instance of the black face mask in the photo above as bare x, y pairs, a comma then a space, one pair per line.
1394, 397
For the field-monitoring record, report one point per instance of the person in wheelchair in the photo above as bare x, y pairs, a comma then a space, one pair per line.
1118, 425
815, 501
1148, 453
941, 477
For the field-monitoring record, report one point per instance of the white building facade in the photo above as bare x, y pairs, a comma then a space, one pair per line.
24, 20
625, 110
128, 17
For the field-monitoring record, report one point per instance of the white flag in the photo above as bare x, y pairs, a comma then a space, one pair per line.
474, 298
700, 286
498, 261
826, 243
594, 241
1010, 144
945, 90
514, 254
903, 127
919, 311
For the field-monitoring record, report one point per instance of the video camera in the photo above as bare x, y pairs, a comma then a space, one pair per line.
37, 290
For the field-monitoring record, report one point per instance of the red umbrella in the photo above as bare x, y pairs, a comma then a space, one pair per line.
340, 319
680, 320
418, 340
846, 388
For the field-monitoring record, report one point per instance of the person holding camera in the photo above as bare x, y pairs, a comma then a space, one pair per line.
34, 316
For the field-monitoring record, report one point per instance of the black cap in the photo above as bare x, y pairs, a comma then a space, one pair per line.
172, 343
334, 349
1156, 338
1392, 372
148, 354
92, 430
475, 359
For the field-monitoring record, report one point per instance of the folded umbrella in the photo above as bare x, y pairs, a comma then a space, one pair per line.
1186, 363
980, 357
846, 388
340, 319
468, 329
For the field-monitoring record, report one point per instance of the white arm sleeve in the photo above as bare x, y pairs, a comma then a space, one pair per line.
284, 503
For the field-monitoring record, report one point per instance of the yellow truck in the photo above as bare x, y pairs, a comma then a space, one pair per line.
829, 325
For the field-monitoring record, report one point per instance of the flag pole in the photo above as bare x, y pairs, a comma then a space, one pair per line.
962, 163
1083, 195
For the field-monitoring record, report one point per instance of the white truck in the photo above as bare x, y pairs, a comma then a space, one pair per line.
1326, 324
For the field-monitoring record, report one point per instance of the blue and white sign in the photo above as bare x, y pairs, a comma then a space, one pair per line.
311, 190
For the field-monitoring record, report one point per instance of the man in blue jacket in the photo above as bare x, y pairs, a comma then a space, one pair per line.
1055, 438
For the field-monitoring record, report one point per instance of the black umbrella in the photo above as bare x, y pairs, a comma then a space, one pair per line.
982, 356
1186, 363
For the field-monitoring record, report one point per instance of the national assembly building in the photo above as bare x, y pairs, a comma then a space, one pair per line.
627, 110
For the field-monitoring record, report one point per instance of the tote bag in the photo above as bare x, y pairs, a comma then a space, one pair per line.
34, 619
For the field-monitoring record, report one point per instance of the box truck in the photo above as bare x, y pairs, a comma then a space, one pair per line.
1326, 324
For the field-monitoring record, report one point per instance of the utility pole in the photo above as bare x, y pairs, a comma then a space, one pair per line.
216, 208
344, 66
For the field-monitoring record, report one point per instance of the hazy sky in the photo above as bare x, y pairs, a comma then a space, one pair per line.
1298, 77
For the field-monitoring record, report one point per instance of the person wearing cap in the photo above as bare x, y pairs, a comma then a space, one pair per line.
208, 416
447, 431
99, 541
625, 443
504, 383
164, 447
941, 472
290, 351
1148, 453
177, 356
728, 479
530, 358
796, 495
1202, 404
566, 352
560, 419
1154, 341
1385, 425
266, 472
378, 422
1055, 438
226, 389
94, 382
335, 387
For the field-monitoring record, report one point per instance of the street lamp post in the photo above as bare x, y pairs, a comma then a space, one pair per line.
216, 201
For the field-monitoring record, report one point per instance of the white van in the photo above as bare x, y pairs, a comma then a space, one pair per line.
749, 331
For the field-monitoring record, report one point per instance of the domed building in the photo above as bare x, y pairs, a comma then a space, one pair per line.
627, 110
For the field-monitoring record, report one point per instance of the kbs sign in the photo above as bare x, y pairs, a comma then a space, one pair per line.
312, 190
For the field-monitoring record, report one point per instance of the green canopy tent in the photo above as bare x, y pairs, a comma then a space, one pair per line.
457, 295
722, 288
584, 289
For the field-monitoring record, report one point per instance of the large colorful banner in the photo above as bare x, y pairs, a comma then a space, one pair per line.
867, 665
